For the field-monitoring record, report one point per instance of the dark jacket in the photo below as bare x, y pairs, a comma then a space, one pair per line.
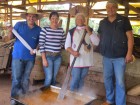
113, 39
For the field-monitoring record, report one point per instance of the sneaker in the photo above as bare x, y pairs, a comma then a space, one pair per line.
13, 102
105, 103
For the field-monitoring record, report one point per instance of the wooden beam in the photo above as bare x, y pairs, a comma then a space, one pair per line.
101, 10
10, 6
43, 11
14, 0
10, 15
126, 12
134, 9
3, 0
55, 2
23, 2
68, 21
122, 3
65, 12
130, 6
134, 1
68, 0
74, 1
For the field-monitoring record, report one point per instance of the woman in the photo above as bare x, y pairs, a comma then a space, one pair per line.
85, 56
51, 41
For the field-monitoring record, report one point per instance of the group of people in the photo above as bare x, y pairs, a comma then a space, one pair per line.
115, 40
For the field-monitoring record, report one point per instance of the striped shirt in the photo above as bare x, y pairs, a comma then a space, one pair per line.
51, 40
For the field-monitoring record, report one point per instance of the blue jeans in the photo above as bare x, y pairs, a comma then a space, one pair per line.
51, 71
78, 76
21, 70
114, 70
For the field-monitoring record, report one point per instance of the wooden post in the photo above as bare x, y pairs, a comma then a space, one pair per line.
11, 15
87, 19
68, 21
126, 4
38, 7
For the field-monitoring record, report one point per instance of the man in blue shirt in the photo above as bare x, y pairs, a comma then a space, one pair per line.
116, 44
23, 59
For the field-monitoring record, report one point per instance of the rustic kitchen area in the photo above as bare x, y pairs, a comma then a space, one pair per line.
94, 87
93, 84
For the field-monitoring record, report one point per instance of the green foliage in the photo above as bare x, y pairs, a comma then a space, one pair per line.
136, 30
72, 23
44, 22
93, 24
1, 24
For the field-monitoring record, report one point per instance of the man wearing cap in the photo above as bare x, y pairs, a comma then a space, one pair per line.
116, 45
23, 59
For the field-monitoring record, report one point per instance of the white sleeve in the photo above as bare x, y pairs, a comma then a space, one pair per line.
94, 38
68, 41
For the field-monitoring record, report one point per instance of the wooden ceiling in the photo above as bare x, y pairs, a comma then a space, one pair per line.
11, 10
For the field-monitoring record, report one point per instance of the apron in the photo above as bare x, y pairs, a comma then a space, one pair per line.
86, 57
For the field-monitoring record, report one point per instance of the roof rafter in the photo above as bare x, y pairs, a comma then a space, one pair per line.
99, 12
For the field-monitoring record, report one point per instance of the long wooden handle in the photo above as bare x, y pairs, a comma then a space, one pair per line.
65, 84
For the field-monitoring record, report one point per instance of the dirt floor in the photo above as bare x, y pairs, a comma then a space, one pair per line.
5, 88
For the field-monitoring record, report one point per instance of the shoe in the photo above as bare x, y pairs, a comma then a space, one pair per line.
105, 103
13, 102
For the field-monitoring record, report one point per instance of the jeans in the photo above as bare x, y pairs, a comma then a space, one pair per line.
78, 76
51, 71
114, 70
21, 70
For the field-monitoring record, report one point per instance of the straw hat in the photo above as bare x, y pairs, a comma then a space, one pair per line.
31, 10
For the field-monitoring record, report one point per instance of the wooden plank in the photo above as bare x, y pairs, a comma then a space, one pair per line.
134, 1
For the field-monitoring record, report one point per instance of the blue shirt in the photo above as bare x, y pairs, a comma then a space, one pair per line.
31, 36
